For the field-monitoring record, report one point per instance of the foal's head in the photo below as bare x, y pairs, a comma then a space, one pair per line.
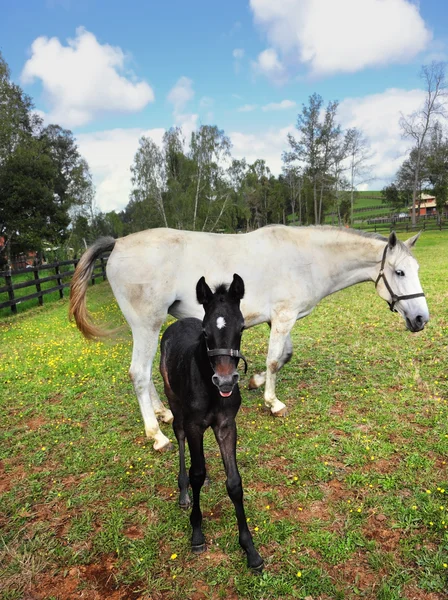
223, 326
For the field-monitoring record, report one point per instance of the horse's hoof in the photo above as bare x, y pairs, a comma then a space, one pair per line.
252, 385
256, 381
166, 448
281, 413
198, 549
186, 504
166, 418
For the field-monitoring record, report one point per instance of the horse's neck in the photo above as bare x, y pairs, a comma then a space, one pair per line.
349, 259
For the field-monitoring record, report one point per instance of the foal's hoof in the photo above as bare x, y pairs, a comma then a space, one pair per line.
259, 568
198, 549
185, 504
281, 413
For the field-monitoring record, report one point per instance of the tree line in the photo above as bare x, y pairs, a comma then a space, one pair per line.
47, 198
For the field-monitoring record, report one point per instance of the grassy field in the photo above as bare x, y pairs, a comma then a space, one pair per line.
347, 496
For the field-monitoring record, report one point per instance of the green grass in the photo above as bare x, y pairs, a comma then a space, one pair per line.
347, 497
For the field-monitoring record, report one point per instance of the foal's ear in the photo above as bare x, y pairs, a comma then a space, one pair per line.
236, 289
410, 243
203, 293
392, 240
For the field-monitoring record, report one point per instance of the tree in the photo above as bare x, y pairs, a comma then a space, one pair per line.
358, 155
149, 178
17, 119
306, 148
293, 181
391, 196
417, 125
28, 213
437, 167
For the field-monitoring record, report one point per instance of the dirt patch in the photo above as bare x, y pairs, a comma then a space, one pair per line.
356, 572
337, 409
95, 581
411, 592
36, 423
134, 533
379, 530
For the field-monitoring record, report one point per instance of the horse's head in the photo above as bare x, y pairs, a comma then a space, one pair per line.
399, 285
223, 326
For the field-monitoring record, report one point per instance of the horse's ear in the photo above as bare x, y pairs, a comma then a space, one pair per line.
203, 293
392, 240
236, 289
410, 243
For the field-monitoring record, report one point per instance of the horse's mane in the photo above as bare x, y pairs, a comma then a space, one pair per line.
358, 232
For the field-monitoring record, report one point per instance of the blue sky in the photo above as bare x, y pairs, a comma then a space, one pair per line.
112, 71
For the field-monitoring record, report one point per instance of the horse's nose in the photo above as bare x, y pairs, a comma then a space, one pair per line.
418, 323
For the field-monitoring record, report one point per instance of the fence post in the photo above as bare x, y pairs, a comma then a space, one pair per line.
103, 270
38, 288
59, 280
8, 281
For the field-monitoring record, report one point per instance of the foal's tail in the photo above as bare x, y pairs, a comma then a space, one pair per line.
78, 288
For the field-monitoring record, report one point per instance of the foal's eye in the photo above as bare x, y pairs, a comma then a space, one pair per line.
399, 273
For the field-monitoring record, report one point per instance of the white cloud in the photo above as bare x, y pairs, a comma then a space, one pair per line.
342, 35
180, 94
110, 155
269, 64
377, 116
283, 105
268, 146
247, 108
83, 79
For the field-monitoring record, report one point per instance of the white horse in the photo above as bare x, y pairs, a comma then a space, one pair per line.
287, 271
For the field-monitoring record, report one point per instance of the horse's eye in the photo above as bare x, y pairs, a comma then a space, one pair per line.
399, 273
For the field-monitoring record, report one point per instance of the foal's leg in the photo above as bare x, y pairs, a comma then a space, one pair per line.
281, 326
225, 433
182, 480
146, 338
259, 379
195, 437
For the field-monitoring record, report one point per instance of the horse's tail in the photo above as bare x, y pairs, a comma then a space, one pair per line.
78, 288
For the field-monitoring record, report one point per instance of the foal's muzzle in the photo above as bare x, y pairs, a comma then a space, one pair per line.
226, 383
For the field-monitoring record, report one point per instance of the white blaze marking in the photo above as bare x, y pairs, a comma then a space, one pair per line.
220, 322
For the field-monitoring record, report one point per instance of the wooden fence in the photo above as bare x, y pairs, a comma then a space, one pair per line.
403, 226
62, 276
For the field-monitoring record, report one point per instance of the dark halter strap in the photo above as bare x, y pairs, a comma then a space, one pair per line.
228, 352
393, 296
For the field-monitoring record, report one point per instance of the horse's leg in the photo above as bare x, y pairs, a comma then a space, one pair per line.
195, 438
144, 349
225, 433
159, 409
259, 379
281, 326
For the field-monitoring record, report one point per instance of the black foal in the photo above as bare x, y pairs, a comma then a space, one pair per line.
199, 368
